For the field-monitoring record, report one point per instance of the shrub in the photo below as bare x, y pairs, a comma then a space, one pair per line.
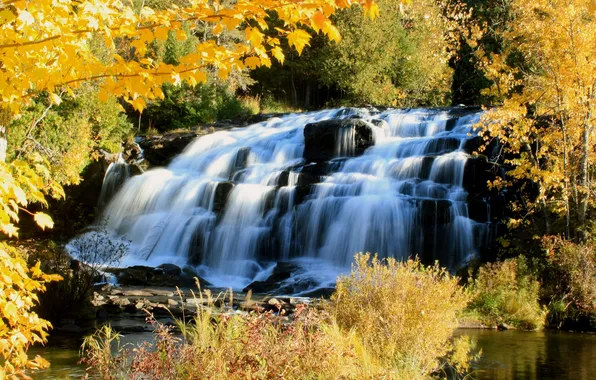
96, 250
185, 107
571, 283
404, 312
388, 320
506, 293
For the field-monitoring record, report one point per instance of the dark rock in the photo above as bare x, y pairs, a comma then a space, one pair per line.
442, 145
319, 293
450, 124
380, 123
222, 193
323, 138
160, 150
164, 275
477, 173
282, 271
301, 193
434, 212
241, 161
478, 210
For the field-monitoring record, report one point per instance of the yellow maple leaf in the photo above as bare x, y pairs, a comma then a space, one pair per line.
299, 39
43, 220
254, 36
252, 62
278, 54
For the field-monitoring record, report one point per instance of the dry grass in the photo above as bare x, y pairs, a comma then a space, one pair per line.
387, 321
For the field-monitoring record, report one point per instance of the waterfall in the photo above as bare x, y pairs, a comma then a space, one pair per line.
311, 187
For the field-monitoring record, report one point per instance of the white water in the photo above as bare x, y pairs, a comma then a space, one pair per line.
370, 203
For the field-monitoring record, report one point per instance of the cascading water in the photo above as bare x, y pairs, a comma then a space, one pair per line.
235, 202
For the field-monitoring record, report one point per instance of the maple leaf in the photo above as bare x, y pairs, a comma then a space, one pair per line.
43, 220
299, 39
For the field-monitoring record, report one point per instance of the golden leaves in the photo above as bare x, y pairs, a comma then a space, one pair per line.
299, 39
20, 326
44, 44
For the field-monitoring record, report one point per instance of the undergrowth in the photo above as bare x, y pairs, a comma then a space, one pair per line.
387, 320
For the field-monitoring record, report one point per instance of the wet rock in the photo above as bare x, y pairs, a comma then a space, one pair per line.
434, 212
319, 293
241, 161
137, 293
477, 173
222, 193
168, 275
282, 271
323, 139
380, 123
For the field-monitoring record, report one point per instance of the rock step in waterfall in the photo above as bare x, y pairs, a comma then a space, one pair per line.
312, 189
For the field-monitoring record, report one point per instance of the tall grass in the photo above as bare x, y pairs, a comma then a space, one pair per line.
387, 320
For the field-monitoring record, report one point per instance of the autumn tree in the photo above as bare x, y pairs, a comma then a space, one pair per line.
51, 47
546, 124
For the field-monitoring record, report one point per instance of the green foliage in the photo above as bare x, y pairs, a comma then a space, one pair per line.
66, 135
399, 58
186, 107
507, 293
570, 283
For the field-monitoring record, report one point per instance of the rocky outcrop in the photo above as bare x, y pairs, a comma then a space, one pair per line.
163, 275
160, 150
328, 139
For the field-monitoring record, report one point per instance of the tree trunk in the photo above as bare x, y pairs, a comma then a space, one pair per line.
294, 91
583, 204
307, 94
3, 144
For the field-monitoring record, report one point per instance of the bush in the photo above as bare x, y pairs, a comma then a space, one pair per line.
404, 312
185, 107
571, 283
387, 320
506, 293
71, 297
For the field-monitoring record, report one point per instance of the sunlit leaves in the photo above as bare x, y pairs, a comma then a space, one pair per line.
547, 73
298, 39
43, 220
44, 45
20, 326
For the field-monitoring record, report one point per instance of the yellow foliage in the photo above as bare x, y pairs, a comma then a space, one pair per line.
44, 44
547, 73
404, 312
19, 326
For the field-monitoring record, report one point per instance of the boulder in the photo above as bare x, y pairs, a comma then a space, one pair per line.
323, 140
282, 271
